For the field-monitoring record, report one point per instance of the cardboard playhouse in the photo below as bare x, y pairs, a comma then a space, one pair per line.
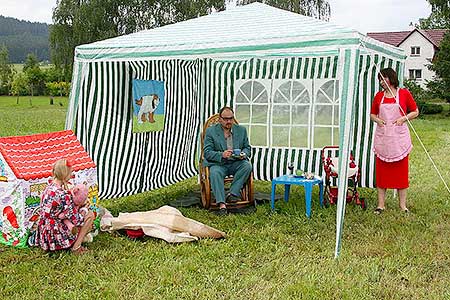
25, 170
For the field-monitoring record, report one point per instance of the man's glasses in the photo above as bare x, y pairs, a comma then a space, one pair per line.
227, 119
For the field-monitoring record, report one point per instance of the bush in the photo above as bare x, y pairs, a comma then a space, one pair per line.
429, 108
58, 88
416, 90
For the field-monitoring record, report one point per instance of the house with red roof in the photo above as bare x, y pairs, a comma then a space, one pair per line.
420, 46
26, 169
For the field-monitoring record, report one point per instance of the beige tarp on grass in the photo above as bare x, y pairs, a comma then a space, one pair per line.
165, 223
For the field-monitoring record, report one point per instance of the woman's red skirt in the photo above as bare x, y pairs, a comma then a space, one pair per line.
392, 175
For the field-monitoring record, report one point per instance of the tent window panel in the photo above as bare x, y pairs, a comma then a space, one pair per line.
284, 92
257, 91
259, 114
280, 136
300, 115
336, 115
322, 97
258, 135
260, 94
302, 97
246, 89
323, 115
281, 114
241, 97
328, 89
279, 97
322, 137
335, 135
242, 113
299, 137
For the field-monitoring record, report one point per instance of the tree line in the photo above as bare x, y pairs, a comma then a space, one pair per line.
32, 80
77, 22
23, 37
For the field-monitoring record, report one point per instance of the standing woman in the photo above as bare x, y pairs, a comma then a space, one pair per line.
53, 234
391, 109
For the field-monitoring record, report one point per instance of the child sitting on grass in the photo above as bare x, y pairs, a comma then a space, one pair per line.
79, 197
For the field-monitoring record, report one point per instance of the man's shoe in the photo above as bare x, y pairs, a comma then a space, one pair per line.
378, 210
231, 198
222, 211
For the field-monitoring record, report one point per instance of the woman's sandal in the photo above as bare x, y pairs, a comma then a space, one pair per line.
80, 250
378, 210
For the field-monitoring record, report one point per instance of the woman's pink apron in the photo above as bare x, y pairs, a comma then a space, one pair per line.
392, 142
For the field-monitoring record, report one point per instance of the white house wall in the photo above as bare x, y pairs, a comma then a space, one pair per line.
420, 61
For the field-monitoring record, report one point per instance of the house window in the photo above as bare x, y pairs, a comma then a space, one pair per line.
415, 51
415, 74
295, 114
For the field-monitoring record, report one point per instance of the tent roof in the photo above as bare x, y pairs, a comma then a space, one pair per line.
33, 156
253, 28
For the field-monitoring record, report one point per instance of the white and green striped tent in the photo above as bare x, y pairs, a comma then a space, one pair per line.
297, 84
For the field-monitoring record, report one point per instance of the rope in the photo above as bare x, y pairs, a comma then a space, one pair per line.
409, 123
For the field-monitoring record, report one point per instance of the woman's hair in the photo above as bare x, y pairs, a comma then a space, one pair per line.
62, 170
391, 75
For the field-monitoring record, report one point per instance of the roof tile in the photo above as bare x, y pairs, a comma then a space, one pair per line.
395, 38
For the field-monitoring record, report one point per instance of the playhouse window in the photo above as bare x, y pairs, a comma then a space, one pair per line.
289, 112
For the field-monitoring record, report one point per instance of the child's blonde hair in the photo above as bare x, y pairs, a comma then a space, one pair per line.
62, 171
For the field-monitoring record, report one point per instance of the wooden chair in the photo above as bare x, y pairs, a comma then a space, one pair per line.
247, 191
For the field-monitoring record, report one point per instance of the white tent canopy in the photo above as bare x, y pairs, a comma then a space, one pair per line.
297, 84
246, 31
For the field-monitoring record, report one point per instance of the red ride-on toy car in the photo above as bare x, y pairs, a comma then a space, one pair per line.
330, 162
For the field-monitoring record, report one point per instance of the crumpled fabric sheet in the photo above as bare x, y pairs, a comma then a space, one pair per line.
165, 223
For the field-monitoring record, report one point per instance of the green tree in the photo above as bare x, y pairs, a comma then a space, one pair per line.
440, 86
79, 22
313, 8
6, 71
19, 86
34, 75
439, 17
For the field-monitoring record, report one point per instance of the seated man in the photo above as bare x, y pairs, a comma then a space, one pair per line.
220, 141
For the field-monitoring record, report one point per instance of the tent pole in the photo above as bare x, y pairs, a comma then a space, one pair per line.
350, 64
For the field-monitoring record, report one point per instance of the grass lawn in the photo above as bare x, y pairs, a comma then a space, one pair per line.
147, 126
265, 256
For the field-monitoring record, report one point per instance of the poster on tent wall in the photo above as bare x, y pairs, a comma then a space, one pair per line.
148, 105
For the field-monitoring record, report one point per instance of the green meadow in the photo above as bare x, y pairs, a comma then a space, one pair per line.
265, 255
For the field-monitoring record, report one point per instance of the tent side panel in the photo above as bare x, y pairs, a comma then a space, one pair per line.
216, 89
368, 86
130, 163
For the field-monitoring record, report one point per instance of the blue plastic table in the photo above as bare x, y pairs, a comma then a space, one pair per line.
299, 180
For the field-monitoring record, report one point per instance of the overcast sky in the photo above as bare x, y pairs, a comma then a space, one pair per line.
362, 15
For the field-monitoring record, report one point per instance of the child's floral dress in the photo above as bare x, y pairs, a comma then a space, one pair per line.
52, 233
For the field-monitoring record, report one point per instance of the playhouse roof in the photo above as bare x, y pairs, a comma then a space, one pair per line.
249, 30
33, 156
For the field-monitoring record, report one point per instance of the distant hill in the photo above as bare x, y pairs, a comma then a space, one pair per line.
24, 37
